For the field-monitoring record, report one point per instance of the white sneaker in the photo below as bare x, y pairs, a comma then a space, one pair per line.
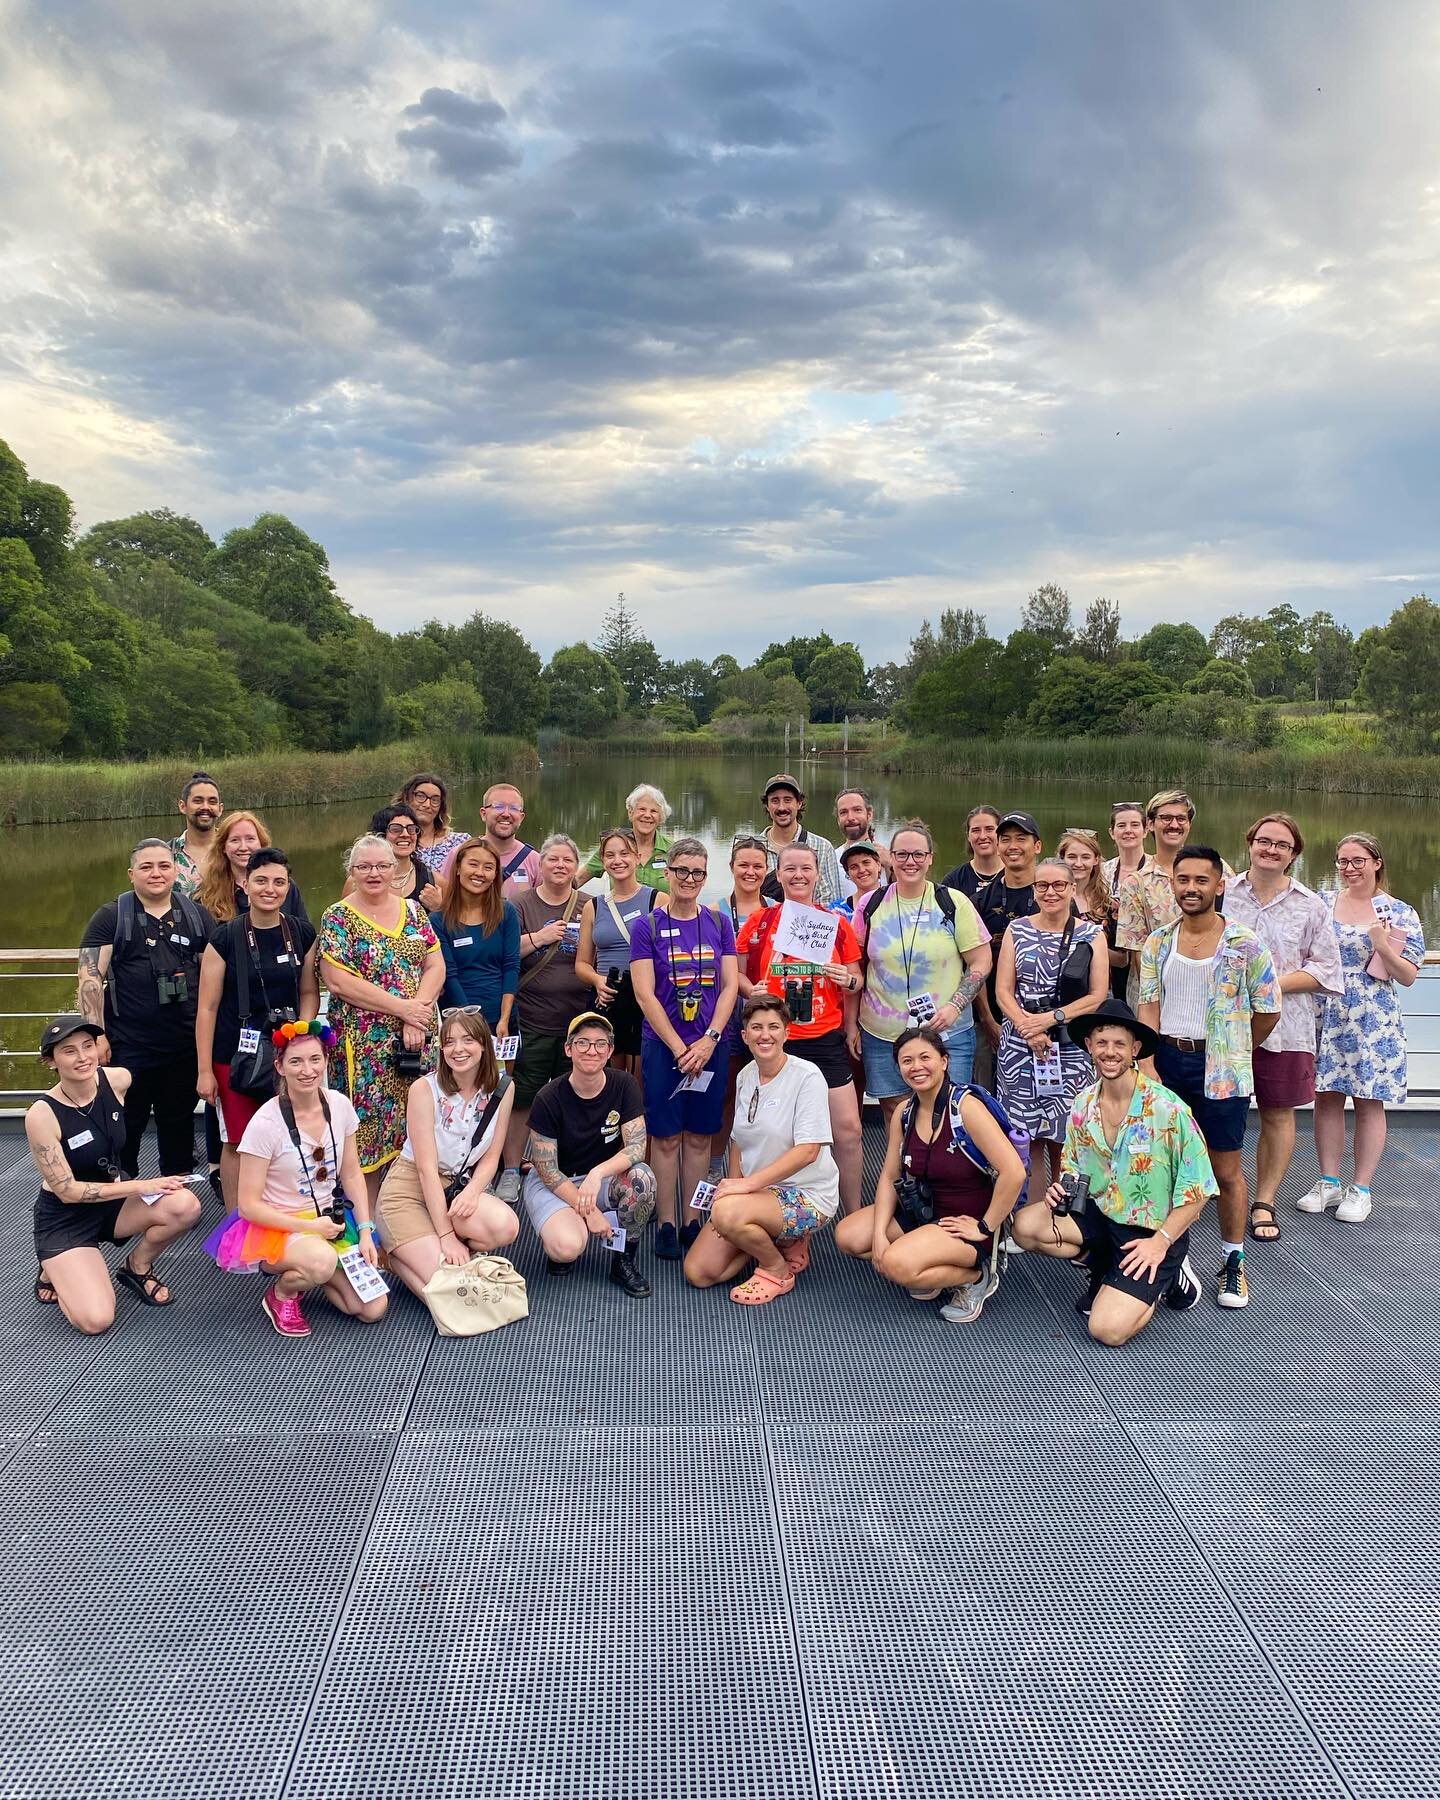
1323, 1194
965, 1303
1354, 1207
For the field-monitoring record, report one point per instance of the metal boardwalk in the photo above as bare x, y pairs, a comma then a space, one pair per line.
651, 1551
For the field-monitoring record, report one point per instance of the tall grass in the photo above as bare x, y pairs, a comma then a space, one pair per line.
36, 793
1149, 763
749, 741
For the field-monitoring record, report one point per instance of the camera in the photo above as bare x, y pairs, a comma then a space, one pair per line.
1076, 1189
278, 1016
172, 988
915, 1200
409, 1063
800, 1001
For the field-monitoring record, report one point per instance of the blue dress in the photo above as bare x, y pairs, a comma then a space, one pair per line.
1362, 1033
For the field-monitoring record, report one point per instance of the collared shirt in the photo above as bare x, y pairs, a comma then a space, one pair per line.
652, 873
1242, 982
1158, 1162
187, 871
1296, 929
1145, 902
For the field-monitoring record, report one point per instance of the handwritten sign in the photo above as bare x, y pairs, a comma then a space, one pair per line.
806, 932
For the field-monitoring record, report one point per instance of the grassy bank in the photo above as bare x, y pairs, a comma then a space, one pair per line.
827, 738
1140, 765
36, 793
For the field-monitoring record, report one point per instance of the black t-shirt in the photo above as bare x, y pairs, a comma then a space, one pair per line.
142, 1030
274, 981
997, 904
586, 1132
966, 881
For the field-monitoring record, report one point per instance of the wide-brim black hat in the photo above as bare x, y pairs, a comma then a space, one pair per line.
1113, 1012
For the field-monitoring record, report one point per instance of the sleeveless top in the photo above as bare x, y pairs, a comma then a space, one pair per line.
960, 1189
92, 1137
612, 948
455, 1120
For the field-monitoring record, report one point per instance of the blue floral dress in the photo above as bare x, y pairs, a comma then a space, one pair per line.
1362, 1034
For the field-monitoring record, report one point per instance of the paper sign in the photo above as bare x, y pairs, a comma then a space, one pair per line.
806, 932
506, 1048
616, 1239
368, 1283
704, 1197
695, 1084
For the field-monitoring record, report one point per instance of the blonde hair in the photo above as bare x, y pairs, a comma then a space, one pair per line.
1099, 888
216, 892
368, 841
1168, 797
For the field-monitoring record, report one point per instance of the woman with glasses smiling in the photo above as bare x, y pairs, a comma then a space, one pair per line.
400, 827
428, 800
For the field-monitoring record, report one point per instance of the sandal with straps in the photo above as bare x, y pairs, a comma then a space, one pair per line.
147, 1286
47, 1297
1267, 1231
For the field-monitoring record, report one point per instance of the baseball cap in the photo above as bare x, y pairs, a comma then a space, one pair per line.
66, 1026
782, 781
581, 1020
861, 847
1023, 820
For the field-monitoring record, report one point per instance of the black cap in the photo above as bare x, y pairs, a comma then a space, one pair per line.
860, 847
782, 781
66, 1026
1023, 820
1113, 1012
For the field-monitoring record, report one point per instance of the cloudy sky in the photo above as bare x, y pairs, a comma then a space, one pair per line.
773, 315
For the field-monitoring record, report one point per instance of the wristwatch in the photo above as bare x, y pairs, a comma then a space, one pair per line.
713, 1033
1058, 1015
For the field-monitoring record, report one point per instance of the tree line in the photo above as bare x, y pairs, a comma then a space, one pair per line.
145, 637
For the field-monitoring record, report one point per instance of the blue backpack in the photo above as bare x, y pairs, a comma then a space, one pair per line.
1018, 1136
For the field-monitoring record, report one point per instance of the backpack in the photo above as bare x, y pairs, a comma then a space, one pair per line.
944, 899
1018, 1136
127, 917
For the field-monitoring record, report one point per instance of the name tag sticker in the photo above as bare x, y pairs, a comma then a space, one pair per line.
460, 943
180, 940
80, 1137
283, 957
249, 1041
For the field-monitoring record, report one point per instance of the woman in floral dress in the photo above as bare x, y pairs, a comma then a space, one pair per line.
1032, 952
381, 961
1362, 1033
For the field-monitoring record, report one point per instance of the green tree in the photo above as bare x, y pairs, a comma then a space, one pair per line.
162, 536
47, 523
836, 681
1079, 698
1099, 637
507, 673
13, 479
1046, 615
34, 718
585, 692
274, 568
1225, 678
954, 698
1178, 652
1330, 649
959, 629
632, 655
190, 703
799, 652
1402, 672
693, 685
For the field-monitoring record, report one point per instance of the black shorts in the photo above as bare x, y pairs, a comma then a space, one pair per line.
829, 1055
85, 1226
626, 1018
1104, 1237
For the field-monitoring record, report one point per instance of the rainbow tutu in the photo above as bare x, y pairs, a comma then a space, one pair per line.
241, 1248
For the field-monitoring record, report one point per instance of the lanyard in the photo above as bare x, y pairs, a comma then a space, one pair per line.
287, 1113
907, 951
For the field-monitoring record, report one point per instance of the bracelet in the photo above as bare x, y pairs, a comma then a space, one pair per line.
365, 1225
1160, 1231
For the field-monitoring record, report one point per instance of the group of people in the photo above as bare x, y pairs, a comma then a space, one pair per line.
1064, 1049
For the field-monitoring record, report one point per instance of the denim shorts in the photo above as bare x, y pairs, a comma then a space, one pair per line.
882, 1078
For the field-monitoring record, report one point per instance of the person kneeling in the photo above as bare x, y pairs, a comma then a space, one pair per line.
951, 1177
786, 1183
1134, 1177
587, 1143
437, 1204
299, 1175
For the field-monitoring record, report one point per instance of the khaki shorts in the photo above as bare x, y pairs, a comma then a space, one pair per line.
401, 1212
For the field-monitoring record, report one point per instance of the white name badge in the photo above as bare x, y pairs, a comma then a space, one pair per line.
180, 940
461, 943
248, 1042
80, 1137
704, 1196
616, 1239
506, 1048
283, 957
368, 1283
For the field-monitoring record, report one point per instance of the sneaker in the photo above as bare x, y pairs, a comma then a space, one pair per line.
1232, 1289
1008, 1246
1355, 1206
1323, 1194
715, 1174
667, 1244
283, 1312
507, 1188
1184, 1291
558, 1268
966, 1303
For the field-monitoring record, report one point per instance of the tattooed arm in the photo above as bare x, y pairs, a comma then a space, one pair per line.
545, 1155
632, 1138
42, 1131
90, 993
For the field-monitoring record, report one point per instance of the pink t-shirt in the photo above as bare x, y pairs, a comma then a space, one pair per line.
286, 1185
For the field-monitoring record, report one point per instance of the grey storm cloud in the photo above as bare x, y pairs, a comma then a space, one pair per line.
461, 134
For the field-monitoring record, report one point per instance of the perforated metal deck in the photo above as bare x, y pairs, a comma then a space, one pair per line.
648, 1551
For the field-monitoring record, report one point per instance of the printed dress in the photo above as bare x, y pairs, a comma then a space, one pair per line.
1362, 1033
1037, 973
362, 1060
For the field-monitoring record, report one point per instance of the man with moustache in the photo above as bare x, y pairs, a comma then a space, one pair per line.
855, 815
201, 808
1145, 899
784, 799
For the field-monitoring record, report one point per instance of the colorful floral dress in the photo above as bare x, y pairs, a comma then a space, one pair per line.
1362, 1033
362, 1060
1037, 974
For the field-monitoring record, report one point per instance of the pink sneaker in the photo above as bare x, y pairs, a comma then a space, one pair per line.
283, 1311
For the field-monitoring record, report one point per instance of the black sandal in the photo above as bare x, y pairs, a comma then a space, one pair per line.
49, 1297
1269, 1231
145, 1285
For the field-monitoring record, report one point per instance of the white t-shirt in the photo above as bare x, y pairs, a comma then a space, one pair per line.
793, 1109
455, 1120
285, 1185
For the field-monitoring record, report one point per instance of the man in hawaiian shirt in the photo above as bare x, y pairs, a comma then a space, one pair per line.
201, 808
1145, 899
1210, 990
1140, 1153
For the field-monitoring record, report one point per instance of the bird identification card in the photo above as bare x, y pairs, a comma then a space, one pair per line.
616, 1239
704, 1196
368, 1283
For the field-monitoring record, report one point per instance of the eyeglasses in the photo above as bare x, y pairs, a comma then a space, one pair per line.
372, 868
427, 794
685, 873
1172, 818
1353, 862
591, 1046
504, 806
399, 831
909, 855
1051, 887
1270, 844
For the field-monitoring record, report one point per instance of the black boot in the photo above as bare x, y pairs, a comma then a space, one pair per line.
625, 1274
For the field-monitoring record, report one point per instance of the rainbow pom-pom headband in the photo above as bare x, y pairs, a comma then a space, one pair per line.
294, 1028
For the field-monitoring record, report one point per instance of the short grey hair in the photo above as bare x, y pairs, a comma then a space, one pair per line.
560, 837
368, 841
646, 792
686, 846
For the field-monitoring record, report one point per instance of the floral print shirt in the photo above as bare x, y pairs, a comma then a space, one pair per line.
1158, 1162
1145, 902
1295, 927
1242, 982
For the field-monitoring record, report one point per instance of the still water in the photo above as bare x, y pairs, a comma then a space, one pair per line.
55, 876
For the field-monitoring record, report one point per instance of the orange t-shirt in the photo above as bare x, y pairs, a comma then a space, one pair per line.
827, 1006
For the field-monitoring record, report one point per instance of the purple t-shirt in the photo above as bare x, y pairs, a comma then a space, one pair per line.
686, 955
